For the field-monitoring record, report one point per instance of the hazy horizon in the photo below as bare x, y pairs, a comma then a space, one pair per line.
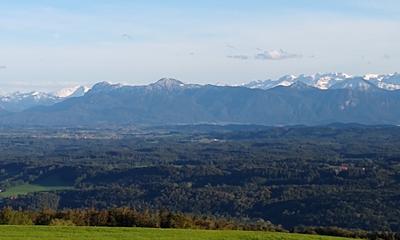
54, 88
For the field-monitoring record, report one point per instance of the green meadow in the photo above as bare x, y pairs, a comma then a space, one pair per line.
30, 188
107, 233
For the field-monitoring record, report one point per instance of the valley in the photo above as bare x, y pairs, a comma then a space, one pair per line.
290, 176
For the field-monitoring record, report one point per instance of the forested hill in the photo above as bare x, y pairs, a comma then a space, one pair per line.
337, 175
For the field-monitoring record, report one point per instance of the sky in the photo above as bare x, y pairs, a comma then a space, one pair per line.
48, 44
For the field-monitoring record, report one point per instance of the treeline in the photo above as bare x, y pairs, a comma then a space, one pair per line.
129, 217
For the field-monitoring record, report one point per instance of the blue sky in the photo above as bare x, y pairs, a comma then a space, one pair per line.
46, 45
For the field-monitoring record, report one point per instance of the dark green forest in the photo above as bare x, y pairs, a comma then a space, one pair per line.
345, 176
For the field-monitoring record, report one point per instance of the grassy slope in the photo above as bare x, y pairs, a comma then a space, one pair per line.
29, 188
47, 184
101, 233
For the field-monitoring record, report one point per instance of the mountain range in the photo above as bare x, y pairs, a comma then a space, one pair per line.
290, 100
19, 101
328, 80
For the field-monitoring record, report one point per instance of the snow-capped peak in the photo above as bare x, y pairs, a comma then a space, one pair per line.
168, 83
356, 83
75, 91
318, 80
300, 85
371, 76
288, 78
27, 95
104, 87
327, 80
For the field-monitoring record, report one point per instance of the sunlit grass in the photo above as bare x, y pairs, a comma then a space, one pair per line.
107, 233
29, 188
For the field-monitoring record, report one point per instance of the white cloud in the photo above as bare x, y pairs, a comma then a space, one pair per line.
276, 55
92, 47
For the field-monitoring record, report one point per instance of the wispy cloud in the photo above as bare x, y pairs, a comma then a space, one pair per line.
230, 46
2, 67
241, 57
276, 55
267, 55
126, 36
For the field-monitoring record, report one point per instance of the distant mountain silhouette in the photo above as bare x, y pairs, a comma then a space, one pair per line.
170, 101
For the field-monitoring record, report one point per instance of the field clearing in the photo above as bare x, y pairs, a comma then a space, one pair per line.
30, 188
104, 233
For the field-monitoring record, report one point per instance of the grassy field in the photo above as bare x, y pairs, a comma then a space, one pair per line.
29, 188
103, 233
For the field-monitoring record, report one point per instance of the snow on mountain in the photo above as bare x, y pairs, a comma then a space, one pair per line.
170, 101
392, 78
20, 101
385, 81
104, 87
169, 84
356, 83
327, 80
286, 80
76, 91
372, 76
18, 96
321, 81
299, 85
